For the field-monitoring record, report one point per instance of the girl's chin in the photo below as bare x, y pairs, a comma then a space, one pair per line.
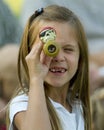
51, 84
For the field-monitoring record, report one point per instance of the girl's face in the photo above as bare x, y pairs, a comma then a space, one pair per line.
64, 66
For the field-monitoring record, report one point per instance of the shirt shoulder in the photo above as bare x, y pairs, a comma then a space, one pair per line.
17, 104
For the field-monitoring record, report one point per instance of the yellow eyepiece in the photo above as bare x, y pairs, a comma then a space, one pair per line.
51, 48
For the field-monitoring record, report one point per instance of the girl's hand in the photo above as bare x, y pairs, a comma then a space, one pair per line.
38, 63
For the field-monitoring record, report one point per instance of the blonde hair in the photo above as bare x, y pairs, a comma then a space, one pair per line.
79, 81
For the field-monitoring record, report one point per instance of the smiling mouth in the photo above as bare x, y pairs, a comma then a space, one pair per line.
57, 70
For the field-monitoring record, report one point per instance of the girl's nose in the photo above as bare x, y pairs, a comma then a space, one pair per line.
59, 58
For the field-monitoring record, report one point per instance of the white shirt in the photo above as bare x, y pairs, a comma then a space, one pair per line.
69, 121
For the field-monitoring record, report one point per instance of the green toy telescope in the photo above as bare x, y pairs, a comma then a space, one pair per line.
48, 36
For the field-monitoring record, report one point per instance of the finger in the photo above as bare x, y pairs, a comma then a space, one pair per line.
36, 49
45, 59
48, 60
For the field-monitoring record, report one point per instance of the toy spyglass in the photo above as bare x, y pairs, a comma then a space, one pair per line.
48, 36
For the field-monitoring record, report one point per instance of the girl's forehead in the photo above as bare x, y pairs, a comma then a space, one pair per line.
60, 27
65, 32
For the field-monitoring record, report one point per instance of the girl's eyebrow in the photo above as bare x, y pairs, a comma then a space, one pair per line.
68, 44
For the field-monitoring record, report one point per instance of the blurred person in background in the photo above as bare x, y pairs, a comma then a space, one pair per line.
96, 76
8, 71
98, 57
96, 70
97, 89
8, 77
97, 103
2, 114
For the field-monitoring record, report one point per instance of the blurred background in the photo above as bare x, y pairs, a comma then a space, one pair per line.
13, 17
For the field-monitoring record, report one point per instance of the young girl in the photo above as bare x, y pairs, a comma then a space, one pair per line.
54, 92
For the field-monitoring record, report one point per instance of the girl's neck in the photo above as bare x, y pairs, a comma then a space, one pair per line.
58, 94
62, 100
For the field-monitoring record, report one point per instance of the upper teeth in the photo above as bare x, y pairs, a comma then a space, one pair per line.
57, 70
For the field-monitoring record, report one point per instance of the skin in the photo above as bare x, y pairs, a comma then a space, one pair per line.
56, 72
